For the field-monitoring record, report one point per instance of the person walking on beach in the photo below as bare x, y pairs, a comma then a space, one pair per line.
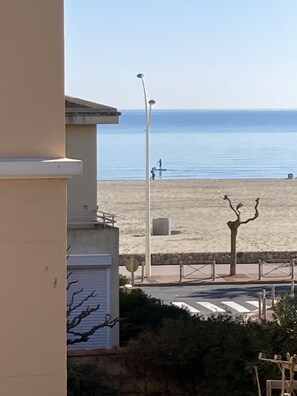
153, 173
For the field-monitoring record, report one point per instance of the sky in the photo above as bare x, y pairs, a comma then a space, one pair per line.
194, 54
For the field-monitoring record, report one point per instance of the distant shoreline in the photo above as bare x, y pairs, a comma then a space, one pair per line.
193, 179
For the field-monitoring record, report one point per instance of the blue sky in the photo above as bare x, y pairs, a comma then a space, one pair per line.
193, 53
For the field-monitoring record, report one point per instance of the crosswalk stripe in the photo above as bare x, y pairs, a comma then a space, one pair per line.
237, 307
188, 307
210, 306
254, 303
215, 308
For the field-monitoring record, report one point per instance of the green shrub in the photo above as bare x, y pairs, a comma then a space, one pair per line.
215, 356
202, 357
139, 312
124, 280
85, 381
286, 310
286, 325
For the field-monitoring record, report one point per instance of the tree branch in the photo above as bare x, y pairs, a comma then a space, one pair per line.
238, 207
256, 213
236, 211
84, 337
74, 322
70, 305
70, 283
73, 308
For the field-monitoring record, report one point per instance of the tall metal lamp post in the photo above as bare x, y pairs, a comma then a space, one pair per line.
148, 110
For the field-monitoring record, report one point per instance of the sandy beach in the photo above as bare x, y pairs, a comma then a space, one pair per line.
199, 214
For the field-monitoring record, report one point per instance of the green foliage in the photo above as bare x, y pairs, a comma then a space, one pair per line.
203, 357
206, 357
286, 313
139, 312
124, 280
85, 381
286, 310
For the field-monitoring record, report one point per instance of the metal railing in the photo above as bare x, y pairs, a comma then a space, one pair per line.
106, 218
98, 217
276, 265
197, 267
262, 296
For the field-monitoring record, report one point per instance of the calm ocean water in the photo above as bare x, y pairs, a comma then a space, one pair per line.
201, 144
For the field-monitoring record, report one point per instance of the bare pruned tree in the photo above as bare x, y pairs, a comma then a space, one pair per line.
76, 313
234, 225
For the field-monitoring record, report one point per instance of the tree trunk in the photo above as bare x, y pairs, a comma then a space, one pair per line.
233, 252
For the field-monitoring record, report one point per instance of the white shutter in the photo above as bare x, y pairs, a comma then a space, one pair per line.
90, 279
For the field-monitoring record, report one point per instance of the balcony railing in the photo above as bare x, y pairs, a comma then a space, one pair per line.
99, 218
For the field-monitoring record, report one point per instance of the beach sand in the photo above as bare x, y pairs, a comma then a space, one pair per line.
199, 214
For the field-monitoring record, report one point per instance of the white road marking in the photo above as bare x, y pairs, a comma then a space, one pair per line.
254, 303
188, 307
215, 308
210, 306
237, 307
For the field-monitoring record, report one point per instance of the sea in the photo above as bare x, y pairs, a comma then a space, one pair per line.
200, 144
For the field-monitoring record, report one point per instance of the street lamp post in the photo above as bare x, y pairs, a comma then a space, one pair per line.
148, 110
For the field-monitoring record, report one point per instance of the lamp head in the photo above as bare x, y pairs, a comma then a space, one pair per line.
140, 75
152, 102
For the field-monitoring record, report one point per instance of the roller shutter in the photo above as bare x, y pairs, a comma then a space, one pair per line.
91, 279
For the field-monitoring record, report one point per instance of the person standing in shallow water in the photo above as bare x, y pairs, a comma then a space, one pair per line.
153, 173
160, 163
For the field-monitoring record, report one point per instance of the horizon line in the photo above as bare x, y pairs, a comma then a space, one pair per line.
215, 109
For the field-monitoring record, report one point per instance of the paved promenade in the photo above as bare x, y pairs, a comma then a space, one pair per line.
246, 273
169, 275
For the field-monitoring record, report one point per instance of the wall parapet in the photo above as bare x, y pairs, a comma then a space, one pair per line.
219, 257
39, 168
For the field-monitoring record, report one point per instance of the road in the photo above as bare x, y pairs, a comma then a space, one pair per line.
209, 299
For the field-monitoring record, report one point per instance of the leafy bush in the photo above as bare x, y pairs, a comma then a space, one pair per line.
124, 280
286, 325
85, 381
205, 357
139, 312
286, 310
200, 356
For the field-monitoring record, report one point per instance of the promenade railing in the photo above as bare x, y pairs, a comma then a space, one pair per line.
195, 269
276, 268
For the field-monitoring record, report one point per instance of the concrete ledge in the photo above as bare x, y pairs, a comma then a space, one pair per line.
39, 168
91, 119
219, 257
96, 352
80, 225
89, 260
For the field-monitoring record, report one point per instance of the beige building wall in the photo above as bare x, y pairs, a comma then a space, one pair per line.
32, 284
81, 119
81, 143
32, 78
32, 199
